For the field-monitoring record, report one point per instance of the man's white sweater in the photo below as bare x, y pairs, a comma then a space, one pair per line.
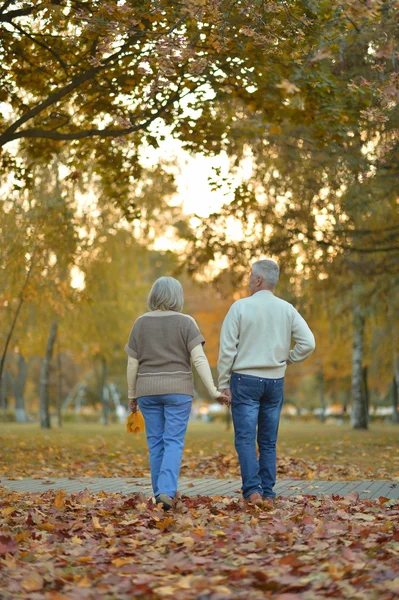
256, 338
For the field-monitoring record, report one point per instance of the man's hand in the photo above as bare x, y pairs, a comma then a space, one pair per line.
133, 405
226, 396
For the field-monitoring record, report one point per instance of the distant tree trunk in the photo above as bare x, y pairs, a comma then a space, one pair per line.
17, 311
366, 392
44, 379
347, 399
359, 417
3, 395
102, 382
395, 389
59, 397
19, 390
323, 402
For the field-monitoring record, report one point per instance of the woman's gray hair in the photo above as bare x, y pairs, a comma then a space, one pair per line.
166, 294
268, 270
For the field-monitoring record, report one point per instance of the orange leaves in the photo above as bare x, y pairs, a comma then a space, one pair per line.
32, 582
96, 523
164, 523
206, 547
59, 501
305, 452
120, 562
135, 423
47, 527
84, 582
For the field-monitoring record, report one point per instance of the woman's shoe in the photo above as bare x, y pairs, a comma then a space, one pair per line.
165, 500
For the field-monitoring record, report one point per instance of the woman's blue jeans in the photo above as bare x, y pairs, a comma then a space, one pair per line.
256, 407
166, 419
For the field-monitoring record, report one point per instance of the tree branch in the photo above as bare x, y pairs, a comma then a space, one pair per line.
6, 5
13, 14
42, 45
78, 135
8, 135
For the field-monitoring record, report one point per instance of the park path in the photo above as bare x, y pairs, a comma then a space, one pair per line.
207, 486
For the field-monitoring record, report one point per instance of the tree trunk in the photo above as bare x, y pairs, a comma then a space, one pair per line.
395, 390
359, 417
19, 390
44, 379
347, 399
3, 395
323, 402
17, 311
103, 398
366, 393
59, 396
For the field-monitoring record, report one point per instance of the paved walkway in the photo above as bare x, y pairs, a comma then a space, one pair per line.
207, 486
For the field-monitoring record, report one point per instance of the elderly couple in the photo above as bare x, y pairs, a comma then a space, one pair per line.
254, 352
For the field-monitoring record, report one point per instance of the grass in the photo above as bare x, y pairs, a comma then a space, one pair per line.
305, 450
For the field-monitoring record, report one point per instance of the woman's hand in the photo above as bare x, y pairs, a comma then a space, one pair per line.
133, 405
224, 397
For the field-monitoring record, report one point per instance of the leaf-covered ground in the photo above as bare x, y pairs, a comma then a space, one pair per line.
305, 451
83, 546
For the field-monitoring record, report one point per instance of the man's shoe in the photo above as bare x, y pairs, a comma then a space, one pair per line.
268, 502
254, 499
165, 500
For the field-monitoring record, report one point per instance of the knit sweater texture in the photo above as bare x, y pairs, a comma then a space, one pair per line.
256, 338
162, 341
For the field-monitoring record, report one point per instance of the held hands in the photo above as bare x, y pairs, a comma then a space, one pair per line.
224, 397
133, 405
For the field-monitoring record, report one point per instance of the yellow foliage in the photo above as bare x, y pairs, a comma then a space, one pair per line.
135, 423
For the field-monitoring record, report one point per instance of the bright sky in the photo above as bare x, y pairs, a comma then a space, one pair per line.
194, 192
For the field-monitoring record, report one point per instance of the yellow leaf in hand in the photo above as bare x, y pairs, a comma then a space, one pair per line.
135, 423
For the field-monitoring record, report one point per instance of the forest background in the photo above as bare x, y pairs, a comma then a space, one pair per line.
295, 107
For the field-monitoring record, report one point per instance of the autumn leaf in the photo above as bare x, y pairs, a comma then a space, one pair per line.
84, 582
96, 523
59, 501
76, 540
33, 582
165, 523
7, 544
287, 86
120, 562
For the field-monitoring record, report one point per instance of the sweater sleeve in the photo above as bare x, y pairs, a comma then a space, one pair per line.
132, 368
229, 338
193, 336
201, 364
131, 346
304, 340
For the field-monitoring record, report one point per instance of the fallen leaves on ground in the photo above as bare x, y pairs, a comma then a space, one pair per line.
223, 464
113, 546
98, 451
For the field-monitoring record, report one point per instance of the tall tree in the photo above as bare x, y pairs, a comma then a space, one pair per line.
38, 233
44, 378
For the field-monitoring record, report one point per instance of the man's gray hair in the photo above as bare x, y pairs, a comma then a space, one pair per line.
268, 270
166, 294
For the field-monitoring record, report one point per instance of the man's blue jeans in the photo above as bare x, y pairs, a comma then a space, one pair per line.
256, 407
166, 419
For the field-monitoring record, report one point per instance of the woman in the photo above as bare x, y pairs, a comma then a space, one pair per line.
160, 380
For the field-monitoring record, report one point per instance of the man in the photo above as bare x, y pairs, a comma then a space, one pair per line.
255, 344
